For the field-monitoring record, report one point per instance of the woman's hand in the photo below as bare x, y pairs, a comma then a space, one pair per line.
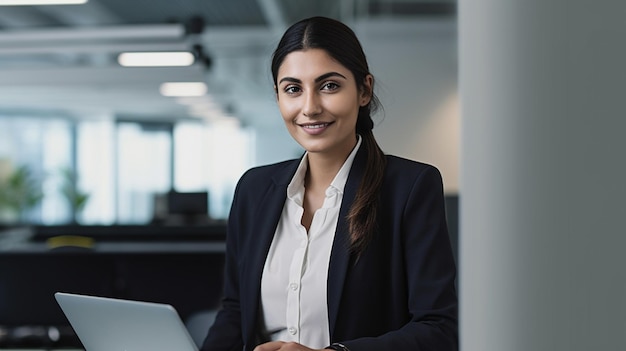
283, 346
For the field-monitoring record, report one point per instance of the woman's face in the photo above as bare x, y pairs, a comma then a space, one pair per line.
319, 101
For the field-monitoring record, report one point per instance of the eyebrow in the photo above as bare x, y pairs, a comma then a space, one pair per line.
317, 80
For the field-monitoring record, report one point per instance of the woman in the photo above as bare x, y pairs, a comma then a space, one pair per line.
346, 248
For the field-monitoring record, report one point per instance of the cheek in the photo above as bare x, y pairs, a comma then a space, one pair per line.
344, 108
287, 110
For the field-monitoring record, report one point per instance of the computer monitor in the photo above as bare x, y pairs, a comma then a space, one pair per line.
188, 203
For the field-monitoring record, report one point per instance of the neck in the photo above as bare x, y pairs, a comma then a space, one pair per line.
322, 171
323, 168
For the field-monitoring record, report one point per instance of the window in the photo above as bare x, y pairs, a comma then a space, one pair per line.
122, 165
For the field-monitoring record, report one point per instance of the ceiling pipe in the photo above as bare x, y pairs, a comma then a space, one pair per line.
104, 48
129, 32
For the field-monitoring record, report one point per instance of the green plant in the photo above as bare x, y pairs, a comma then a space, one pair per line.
20, 191
76, 199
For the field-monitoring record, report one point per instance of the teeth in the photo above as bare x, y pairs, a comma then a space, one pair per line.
315, 126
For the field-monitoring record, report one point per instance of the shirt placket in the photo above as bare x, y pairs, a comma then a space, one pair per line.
296, 270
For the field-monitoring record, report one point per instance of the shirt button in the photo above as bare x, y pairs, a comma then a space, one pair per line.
293, 286
292, 331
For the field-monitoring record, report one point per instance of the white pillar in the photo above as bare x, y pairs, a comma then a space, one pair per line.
543, 175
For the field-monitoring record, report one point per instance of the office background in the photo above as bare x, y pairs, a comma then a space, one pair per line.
66, 102
75, 122
539, 143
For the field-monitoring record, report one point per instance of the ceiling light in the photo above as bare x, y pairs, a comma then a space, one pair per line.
227, 122
40, 2
196, 100
155, 59
183, 89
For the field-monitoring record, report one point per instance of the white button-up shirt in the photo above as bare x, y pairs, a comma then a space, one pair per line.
293, 286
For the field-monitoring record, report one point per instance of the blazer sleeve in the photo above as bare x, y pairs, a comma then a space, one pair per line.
430, 273
225, 333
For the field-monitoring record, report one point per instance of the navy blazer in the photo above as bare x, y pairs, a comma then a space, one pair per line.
399, 295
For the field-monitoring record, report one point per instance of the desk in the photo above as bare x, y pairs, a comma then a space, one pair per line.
130, 247
188, 274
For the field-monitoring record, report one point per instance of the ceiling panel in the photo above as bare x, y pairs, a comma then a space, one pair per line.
297, 10
214, 12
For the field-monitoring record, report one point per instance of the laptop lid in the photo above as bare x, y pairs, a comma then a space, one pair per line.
107, 324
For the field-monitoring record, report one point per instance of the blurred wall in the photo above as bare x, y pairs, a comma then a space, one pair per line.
415, 63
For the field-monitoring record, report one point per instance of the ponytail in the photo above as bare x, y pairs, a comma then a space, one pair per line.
363, 214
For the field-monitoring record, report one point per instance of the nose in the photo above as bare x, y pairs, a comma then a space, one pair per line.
312, 104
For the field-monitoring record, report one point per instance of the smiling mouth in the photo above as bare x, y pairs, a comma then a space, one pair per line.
315, 125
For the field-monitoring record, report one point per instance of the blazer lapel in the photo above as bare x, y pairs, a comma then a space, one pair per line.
266, 219
340, 252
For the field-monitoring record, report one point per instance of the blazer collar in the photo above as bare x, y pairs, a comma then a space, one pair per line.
283, 177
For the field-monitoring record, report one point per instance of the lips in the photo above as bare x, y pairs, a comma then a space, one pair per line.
315, 128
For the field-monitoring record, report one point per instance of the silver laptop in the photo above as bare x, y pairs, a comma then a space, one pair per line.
106, 324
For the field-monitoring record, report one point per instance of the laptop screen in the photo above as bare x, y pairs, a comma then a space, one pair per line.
105, 324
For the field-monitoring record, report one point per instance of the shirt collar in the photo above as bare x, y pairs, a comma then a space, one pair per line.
295, 189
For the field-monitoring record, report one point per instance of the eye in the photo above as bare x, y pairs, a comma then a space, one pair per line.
291, 89
330, 86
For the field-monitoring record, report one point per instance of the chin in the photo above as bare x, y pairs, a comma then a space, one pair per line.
313, 146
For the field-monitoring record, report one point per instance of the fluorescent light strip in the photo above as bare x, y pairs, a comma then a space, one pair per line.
183, 89
41, 2
155, 59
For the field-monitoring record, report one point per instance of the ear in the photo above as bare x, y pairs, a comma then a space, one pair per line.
367, 91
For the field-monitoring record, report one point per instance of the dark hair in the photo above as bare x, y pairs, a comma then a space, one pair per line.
340, 42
